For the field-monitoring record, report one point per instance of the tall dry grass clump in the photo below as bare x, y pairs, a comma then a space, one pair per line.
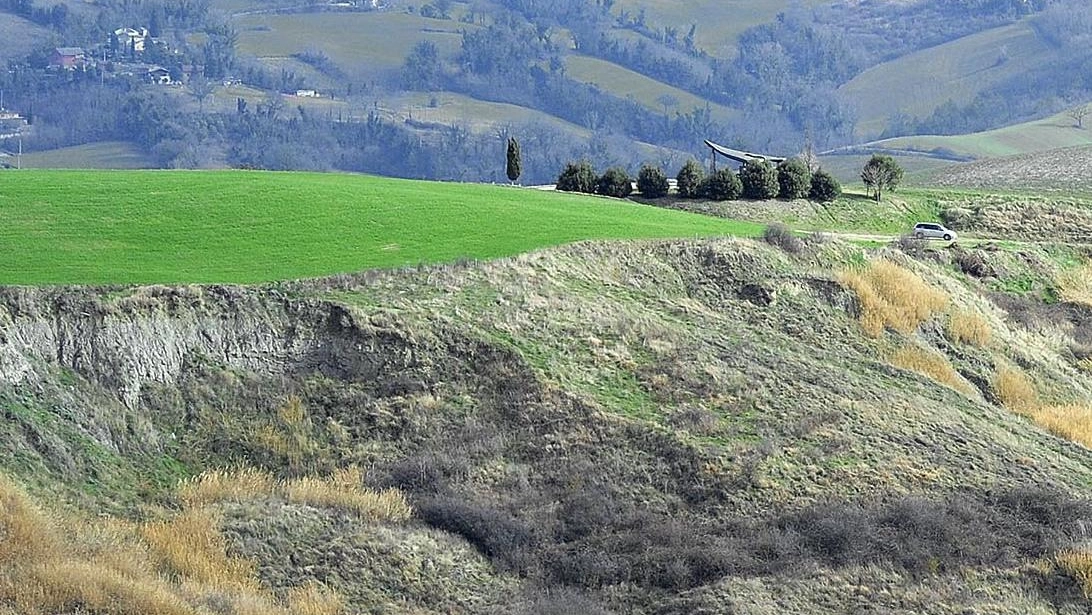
190, 546
1075, 285
175, 566
228, 485
892, 296
344, 490
968, 327
1015, 390
931, 364
314, 599
1077, 563
1070, 421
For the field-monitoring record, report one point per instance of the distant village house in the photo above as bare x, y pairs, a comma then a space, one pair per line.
67, 58
307, 94
131, 38
159, 75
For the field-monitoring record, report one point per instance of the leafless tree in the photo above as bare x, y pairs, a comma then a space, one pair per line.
1079, 112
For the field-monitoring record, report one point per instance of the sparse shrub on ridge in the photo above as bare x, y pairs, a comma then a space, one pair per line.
689, 180
614, 182
577, 177
651, 182
721, 185
782, 237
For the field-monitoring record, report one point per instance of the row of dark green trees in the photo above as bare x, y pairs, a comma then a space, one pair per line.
756, 179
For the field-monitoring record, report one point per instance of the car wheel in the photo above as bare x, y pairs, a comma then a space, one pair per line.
947, 237
919, 235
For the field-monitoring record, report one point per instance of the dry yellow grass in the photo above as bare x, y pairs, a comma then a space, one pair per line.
190, 546
237, 485
893, 297
1015, 390
1075, 285
931, 364
314, 599
168, 567
968, 327
344, 490
1077, 563
1085, 365
1071, 421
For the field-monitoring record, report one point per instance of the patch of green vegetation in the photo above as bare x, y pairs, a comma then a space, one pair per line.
77, 227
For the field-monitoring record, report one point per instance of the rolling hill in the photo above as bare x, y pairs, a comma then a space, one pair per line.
1053, 132
919, 82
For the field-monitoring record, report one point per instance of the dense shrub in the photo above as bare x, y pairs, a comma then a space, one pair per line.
721, 185
689, 179
652, 182
493, 532
614, 182
759, 179
577, 177
781, 236
824, 187
793, 179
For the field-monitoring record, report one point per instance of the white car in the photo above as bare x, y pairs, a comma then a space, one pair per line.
933, 230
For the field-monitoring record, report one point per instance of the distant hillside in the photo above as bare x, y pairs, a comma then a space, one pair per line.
19, 37
1054, 132
1062, 171
918, 83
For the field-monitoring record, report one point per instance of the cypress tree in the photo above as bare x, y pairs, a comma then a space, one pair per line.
515, 164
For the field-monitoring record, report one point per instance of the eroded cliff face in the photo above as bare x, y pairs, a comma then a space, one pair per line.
149, 334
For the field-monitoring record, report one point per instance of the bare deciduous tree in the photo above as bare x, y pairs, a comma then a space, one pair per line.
1079, 112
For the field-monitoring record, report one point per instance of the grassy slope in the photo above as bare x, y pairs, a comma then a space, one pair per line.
1049, 133
19, 37
956, 70
1065, 171
719, 22
361, 44
125, 227
103, 155
624, 82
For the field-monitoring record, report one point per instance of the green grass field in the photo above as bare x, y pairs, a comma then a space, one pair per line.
126, 227
957, 70
101, 155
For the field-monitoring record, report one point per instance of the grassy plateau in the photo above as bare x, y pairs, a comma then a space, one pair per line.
85, 227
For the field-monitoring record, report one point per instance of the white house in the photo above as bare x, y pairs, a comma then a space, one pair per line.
130, 38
